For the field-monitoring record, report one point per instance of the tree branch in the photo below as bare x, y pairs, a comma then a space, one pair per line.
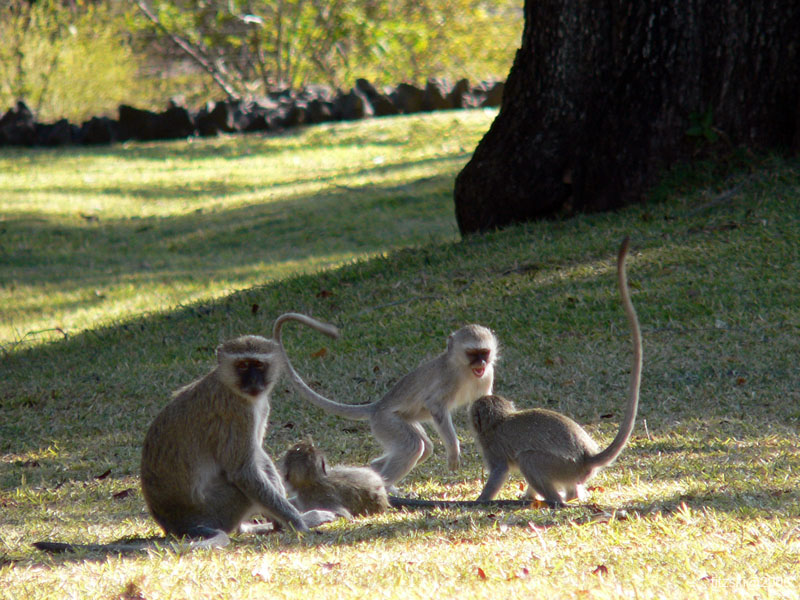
191, 50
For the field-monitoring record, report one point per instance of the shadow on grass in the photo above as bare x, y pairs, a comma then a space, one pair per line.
460, 524
222, 187
233, 147
209, 243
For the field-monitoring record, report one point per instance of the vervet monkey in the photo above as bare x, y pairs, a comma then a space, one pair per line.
344, 490
554, 454
203, 468
457, 376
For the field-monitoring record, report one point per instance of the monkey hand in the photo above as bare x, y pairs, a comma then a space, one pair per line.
315, 518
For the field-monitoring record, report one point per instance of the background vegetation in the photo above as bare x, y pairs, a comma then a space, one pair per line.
122, 267
83, 58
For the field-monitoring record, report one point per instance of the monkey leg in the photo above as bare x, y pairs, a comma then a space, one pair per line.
498, 473
575, 491
405, 444
426, 441
537, 472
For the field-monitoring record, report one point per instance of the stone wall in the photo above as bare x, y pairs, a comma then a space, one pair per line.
275, 112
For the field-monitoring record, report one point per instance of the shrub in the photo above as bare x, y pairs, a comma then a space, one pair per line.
65, 61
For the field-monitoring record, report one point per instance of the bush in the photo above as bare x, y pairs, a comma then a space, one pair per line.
252, 47
65, 61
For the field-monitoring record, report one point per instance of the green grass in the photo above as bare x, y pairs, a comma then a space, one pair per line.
185, 244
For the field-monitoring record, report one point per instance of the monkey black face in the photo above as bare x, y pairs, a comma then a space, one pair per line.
478, 359
252, 376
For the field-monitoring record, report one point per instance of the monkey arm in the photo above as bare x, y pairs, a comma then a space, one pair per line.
498, 473
271, 471
256, 485
443, 423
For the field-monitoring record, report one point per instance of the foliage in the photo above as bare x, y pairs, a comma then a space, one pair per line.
701, 125
64, 59
147, 255
249, 46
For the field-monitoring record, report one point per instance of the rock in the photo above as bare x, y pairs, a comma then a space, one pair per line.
408, 98
456, 97
17, 126
353, 105
100, 130
381, 103
435, 96
60, 133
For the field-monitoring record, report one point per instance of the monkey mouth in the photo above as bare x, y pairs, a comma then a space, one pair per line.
478, 371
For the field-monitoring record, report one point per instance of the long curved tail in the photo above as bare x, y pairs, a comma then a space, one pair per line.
608, 455
349, 411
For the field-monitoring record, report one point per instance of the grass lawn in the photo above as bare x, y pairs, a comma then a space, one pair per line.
121, 269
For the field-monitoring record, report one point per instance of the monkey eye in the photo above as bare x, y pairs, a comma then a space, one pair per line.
247, 365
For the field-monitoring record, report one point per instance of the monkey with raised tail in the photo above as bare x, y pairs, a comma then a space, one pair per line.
457, 376
554, 454
344, 490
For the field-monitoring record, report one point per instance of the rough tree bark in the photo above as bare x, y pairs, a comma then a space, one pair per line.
602, 95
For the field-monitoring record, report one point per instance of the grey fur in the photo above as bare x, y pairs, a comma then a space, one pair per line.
554, 454
344, 490
428, 393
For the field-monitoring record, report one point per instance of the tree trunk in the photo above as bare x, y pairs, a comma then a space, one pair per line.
603, 95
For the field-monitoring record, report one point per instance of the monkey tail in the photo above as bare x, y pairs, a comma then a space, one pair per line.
210, 538
349, 411
418, 504
326, 328
608, 455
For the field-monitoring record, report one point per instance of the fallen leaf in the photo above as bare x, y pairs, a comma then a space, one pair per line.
123, 494
600, 570
320, 353
103, 475
521, 574
254, 308
741, 381
481, 573
324, 294
132, 591
327, 567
